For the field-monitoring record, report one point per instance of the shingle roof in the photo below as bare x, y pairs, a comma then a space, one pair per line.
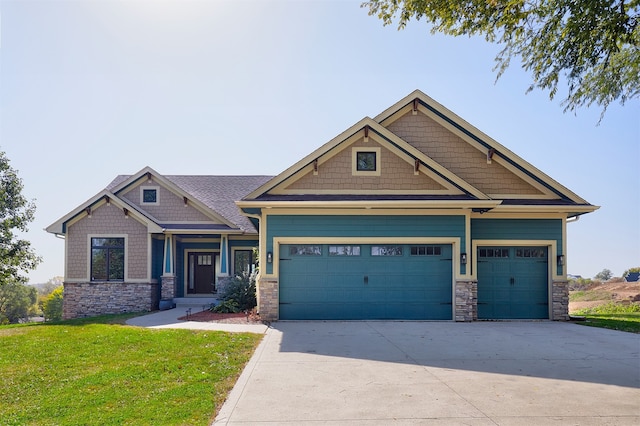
218, 193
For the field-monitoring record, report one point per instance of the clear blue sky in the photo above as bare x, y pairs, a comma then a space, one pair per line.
93, 89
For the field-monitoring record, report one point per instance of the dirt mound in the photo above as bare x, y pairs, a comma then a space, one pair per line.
601, 294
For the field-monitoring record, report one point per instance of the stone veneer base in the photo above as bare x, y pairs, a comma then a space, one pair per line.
91, 299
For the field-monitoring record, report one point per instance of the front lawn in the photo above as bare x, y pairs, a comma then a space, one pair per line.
95, 372
623, 317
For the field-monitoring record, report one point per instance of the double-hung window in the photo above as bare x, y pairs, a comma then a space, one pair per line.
107, 259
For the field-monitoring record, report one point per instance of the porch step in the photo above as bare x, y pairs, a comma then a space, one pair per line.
197, 303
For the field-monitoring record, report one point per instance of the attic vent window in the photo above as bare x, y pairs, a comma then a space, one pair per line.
366, 162
149, 195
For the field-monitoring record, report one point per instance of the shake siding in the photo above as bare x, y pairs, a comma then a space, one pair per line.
458, 156
106, 220
170, 206
518, 229
336, 174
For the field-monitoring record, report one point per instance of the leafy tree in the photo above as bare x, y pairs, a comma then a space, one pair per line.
17, 301
16, 212
52, 305
604, 275
593, 44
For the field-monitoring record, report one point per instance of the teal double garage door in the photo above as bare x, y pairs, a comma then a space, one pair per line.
366, 281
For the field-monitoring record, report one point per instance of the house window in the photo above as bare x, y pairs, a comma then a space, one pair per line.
344, 250
243, 261
204, 260
107, 259
305, 250
426, 250
366, 161
386, 250
149, 195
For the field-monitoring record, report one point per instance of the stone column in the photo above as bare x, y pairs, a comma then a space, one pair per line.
168, 287
560, 301
466, 303
268, 299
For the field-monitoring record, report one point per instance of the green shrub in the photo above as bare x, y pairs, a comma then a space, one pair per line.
52, 305
239, 293
610, 308
226, 307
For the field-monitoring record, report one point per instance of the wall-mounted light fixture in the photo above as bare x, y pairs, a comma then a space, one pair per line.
366, 133
463, 258
149, 177
126, 213
561, 260
88, 211
107, 200
269, 257
186, 201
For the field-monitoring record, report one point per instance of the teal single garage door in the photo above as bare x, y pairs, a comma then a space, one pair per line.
513, 283
357, 281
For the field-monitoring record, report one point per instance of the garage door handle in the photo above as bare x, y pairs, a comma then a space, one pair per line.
366, 279
512, 281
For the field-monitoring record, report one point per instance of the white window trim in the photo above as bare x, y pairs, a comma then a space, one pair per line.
354, 161
142, 189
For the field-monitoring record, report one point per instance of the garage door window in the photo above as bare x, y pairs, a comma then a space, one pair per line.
494, 252
386, 250
426, 250
532, 252
344, 250
305, 250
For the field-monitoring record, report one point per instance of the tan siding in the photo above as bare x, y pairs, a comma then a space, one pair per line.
396, 174
170, 208
458, 156
107, 220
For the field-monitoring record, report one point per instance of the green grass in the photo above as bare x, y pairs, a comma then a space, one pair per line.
589, 295
99, 372
615, 316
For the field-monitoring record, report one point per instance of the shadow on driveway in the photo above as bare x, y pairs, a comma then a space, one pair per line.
542, 349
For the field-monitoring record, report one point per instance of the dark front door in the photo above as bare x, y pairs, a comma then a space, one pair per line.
201, 278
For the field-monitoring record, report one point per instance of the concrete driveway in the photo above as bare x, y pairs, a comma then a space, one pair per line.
432, 373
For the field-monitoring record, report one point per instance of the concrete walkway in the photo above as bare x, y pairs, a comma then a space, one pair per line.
438, 373
169, 319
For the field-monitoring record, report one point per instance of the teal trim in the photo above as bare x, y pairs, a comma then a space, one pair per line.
168, 256
157, 254
364, 226
224, 248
